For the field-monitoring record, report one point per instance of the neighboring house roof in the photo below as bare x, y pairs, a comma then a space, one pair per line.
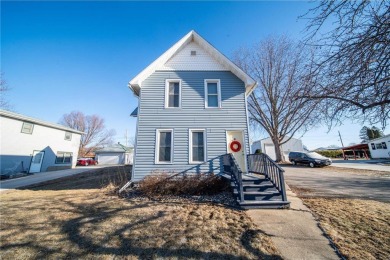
327, 148
136, 83
135, 112
292, 138
355, 147
116, 148
20, 117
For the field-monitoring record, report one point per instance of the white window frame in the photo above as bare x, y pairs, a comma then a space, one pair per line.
167, 81
63, 157
68, 134
206, 101
31, 128
190, 131
157, 146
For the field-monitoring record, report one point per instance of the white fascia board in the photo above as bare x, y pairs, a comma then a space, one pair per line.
135, 83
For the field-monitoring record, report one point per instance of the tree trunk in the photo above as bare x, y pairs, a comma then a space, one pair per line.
278, 150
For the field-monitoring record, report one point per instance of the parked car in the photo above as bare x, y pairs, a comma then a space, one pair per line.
86, 161
312, 159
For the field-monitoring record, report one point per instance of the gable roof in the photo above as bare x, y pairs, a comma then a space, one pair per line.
136, 83
4, 113
115, 148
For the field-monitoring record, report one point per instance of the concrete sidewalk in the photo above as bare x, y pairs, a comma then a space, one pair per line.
294, 231
42, 176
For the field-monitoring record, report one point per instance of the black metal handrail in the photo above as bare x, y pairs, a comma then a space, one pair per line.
230, 167
263, 164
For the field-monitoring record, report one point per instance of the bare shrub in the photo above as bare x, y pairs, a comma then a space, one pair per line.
114, 180
198, 184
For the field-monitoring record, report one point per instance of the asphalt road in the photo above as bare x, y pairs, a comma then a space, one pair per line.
331, 183
42, 176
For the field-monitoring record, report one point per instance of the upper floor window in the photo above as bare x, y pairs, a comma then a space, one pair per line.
68, 136
172, 93
27, 128
212, 93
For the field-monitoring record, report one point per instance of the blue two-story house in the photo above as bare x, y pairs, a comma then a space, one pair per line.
192, 109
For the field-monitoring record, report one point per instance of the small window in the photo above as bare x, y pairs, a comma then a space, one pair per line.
63, 158
373, 146
379, 146
172, 93
164, 143
27, 128
213, 93
197, 146
68, 136
384, 145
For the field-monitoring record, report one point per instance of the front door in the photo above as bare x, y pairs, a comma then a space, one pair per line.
236, 146
36, 161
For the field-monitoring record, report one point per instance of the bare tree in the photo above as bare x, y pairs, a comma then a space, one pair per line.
353, 66
96, 135
4, 88
280, 66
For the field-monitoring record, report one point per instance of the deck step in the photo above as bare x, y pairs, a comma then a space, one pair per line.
264, 204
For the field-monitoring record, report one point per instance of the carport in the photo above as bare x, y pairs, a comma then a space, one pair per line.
356, 149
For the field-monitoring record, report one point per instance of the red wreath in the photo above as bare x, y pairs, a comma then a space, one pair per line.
235, 146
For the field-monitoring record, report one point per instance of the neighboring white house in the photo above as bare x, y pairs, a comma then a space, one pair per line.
380, 147
115, 154
266, 146
31, 145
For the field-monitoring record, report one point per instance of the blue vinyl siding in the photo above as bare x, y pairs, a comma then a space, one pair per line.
192, 114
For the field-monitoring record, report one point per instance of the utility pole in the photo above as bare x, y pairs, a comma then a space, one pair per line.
126, 138
341, 139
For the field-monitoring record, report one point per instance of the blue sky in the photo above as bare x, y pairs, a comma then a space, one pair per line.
63, 56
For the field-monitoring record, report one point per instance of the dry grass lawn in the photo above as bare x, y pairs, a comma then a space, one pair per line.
41, 222
360, 229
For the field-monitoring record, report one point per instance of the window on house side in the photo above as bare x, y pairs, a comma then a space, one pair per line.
164, 149
213, 93
63, 158
27, 128
173, 93
379, 146
68, 136
197, 146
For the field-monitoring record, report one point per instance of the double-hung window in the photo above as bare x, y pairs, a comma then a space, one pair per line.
172, 93
212, 93
63, 157
164, 145
197, 145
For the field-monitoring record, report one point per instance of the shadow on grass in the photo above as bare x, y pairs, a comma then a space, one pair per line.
115, 229
93, 179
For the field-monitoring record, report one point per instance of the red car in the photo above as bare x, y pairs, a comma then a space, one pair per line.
86, 162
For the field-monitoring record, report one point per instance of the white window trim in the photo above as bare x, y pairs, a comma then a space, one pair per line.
70, 134
157, 146
206, 102
32, 128
167, 81
190, 145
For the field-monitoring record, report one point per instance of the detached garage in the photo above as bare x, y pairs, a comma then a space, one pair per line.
114, 155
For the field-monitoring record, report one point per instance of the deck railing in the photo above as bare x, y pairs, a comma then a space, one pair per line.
230, 167
263, 164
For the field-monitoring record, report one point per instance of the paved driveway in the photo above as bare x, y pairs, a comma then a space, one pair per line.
42, 176
328, 181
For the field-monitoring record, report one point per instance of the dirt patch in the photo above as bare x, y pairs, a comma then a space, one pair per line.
52, 221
